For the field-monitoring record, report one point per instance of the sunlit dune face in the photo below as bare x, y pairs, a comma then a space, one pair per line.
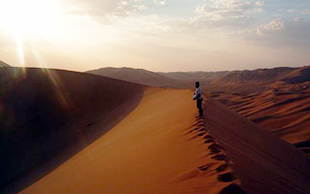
29, 17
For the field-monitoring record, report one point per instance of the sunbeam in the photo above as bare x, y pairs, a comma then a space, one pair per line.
53, 77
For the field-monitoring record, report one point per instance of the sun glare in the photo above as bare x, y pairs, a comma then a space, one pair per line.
28, 17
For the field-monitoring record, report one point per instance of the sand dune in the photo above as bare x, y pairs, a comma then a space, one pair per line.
298, 76
158, 148
49, 115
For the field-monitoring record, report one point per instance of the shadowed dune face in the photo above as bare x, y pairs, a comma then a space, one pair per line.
263, 162
44, 113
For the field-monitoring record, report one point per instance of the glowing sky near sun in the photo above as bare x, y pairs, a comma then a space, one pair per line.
158, 35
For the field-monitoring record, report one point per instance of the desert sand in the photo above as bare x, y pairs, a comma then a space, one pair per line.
139, 140
157, 148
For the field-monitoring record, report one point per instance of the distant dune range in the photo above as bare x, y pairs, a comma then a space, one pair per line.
49, 115
215, 81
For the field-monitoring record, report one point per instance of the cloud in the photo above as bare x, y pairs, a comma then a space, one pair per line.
272, 27
260, 3
100, 10
280, 32
223, 9
156, 2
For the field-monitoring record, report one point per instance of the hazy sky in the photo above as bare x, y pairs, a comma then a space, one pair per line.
168, 35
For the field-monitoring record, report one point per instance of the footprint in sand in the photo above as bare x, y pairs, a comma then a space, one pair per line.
201, 134
233, 189
223, 167
209, 141
208, 137
227, 177
215, 146
220, 157
203, 129
206, 166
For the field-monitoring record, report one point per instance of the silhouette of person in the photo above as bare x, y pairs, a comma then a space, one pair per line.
198, 97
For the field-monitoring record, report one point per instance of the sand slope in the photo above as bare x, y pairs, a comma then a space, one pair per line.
160, 147
263, 162
44, 113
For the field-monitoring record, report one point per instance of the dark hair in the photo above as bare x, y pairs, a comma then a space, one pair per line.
197, 84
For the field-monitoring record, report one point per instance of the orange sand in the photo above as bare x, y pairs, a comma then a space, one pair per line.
150, 151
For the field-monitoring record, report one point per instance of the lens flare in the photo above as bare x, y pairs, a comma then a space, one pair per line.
21, 57
61, 92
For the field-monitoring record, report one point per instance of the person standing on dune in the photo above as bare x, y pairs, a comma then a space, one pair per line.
198, 97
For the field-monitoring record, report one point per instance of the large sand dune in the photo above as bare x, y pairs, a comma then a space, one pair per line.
46, 116
157, 148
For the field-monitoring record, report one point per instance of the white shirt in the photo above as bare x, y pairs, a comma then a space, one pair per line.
196, 94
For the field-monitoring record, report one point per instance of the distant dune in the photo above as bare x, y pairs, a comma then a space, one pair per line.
139, 76
284, 109
52, 113
259, 76
190, 77
298, 76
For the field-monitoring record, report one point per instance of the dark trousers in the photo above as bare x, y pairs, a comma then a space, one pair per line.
199, 106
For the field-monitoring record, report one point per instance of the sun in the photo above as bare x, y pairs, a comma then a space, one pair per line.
29, 17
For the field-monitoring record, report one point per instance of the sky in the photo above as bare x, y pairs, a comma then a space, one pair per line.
157, 35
